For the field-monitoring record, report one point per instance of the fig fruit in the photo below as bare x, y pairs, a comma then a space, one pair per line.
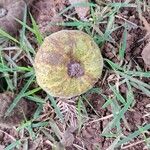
68, 63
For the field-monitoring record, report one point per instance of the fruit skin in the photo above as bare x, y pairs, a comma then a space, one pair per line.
54, 56
12, 9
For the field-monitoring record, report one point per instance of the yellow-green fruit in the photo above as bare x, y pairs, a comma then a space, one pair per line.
68, 63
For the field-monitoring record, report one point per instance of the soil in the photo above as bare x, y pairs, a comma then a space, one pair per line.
146, 54
136, 42
8, 12
46, 11
17, 114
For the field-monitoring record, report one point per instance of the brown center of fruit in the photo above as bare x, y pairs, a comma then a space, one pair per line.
75, 69
3, 12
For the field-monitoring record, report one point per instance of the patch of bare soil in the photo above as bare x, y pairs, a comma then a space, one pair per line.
46, 11
23, 110
141, 108
7, 136
16, 116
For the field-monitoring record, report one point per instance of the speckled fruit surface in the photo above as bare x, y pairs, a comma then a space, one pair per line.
68, 63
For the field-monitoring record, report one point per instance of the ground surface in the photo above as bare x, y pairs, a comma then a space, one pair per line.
115, 114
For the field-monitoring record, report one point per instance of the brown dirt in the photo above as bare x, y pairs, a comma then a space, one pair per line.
46, 12
10, 11
146, 54
7, 136
16, 116
90, 133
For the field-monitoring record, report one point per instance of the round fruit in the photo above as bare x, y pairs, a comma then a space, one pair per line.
68, 63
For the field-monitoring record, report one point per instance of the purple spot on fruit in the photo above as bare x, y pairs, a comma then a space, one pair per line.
75, 69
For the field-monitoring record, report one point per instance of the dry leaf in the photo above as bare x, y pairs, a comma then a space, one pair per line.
82, 11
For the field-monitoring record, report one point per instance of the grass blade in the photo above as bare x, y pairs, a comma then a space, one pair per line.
13, 145
117, 94
133, 135
123, 44
19, 96
36, 31
57, 110
5, 34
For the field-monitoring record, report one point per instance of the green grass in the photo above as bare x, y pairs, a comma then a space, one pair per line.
13, 74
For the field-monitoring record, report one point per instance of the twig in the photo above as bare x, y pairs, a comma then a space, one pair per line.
133, 144
103, 118
78, 147
11, 137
